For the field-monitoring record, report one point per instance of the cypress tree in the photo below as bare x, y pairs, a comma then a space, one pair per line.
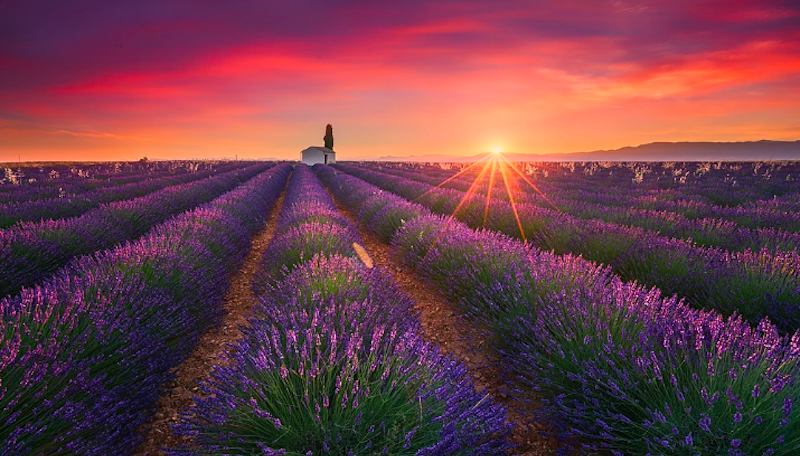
329, 137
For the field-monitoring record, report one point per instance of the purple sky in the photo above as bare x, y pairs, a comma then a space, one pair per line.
179, 79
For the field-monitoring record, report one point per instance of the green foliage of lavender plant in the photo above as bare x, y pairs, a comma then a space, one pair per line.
48, 386
620, 377
334, 363
765, 285
321, 399
301, 243
84, 356
440, 202
621, 368
390, 218
414, 240
337, 279
311, 211
370, 207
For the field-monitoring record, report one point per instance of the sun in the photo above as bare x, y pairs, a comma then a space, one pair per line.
497, 167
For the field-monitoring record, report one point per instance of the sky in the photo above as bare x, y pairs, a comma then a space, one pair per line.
107, 80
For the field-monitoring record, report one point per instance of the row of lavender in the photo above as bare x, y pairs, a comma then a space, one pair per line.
333, 362
599, 196
698, 189
74, 205
754, 228
618, 367
753, 284
30, 251
20, 184
84, 355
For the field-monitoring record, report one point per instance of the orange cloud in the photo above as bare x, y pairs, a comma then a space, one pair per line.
451, 77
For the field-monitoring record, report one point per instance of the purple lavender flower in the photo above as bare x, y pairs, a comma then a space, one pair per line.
84, 356
598, 349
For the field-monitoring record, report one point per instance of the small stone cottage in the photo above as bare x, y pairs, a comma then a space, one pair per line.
316, 154
324, 155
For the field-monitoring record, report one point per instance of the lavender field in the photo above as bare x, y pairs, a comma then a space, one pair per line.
606, 308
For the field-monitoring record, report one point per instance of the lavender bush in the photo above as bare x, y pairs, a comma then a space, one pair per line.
370, 293
333, 363
301, 243
309, 225
341, 378
29, 252
66, 205
708, 278
620, 368
84, 356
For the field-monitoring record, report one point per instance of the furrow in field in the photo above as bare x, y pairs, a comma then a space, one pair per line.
333, 361
442, 324
238, 304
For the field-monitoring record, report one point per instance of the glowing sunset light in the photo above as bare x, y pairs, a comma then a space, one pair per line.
173, 79
491, 164
489, 191
455, 176
534, 187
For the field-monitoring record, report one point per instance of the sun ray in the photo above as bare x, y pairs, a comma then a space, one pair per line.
467, 195
531, 184
472, 189
452, 177
511, 200
489, 191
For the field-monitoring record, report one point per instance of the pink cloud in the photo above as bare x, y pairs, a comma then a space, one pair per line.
444, 75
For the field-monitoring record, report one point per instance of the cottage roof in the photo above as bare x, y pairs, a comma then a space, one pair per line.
320, 149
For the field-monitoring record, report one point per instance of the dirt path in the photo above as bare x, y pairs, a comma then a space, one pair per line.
238, 304
456, 337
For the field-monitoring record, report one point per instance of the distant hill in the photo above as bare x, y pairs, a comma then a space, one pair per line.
657, 151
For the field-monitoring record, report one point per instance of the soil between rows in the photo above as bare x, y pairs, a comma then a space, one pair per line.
456, 337
238, 304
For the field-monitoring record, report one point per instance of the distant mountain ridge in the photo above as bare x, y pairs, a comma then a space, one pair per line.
656, 151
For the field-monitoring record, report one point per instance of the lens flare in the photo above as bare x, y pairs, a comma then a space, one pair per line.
512, 180
452, 177
489, 190
535, 188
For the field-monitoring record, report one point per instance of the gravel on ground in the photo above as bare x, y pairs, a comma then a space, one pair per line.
238, 303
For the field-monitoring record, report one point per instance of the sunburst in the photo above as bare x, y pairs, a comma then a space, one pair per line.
534, 187
490, 164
